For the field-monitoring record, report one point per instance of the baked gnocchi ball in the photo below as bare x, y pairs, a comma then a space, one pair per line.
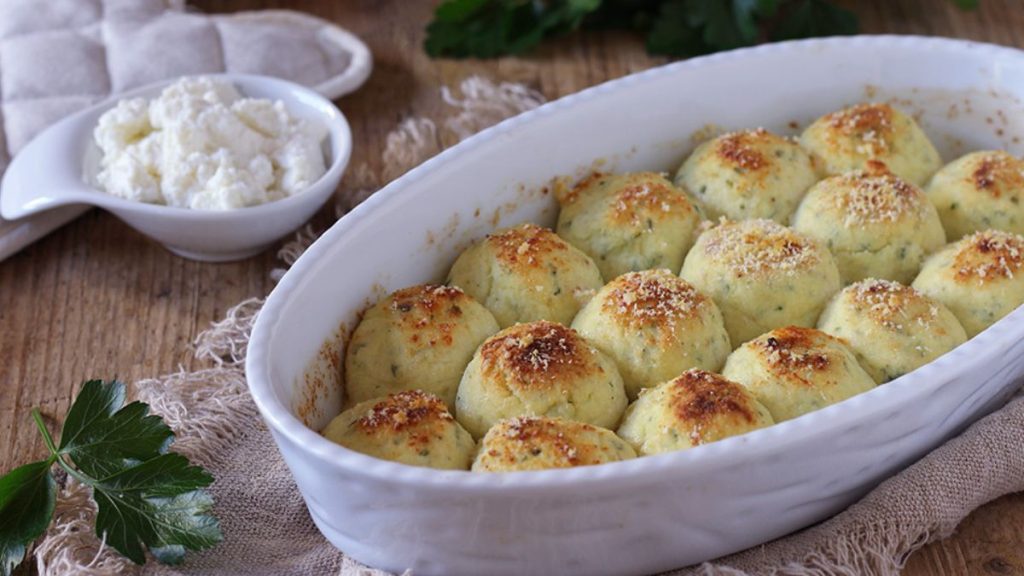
846, 140
979, 191
412, 427
892, 329
761, 275
796, 370
526, 273
695, 408
980, 278
539, 369
534, 443
748, 174
420, 337
874, 223
654, 325
628, 222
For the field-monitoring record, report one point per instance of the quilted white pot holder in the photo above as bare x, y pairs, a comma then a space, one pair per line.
59, 56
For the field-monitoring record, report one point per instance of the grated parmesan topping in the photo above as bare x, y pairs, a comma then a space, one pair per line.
865, 196
759, 246
404, 410
737, 148
556, 439
645, 196
997, 172
428, 297
796, 351
527, 245
989, 255
537, 353
870, 124
649, 297
428, 312
893, 305
697, 397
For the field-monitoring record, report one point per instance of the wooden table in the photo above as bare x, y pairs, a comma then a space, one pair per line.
96, 299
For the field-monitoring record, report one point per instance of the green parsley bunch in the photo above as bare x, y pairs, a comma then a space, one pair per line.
679, 28
146, 497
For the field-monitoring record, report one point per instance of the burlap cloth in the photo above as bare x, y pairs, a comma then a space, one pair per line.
268, 531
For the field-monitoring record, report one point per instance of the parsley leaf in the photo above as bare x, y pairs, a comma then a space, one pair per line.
156, 505
101, 437
27, 498
146, 497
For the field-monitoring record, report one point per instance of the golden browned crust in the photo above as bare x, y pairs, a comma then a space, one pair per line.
997, 173
759, 246
412, 411
537, 354
647, 196
652, 298
738, 149
427, 313
526, 247
699, 397
796, 351
871, 124
988, 256
534, 435
875, 195
893, 305
569, 195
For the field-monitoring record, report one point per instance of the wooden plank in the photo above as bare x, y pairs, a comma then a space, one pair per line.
96, 299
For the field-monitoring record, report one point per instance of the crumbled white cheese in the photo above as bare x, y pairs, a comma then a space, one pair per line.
201, 145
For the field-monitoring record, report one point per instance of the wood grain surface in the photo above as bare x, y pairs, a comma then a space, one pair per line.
96, 299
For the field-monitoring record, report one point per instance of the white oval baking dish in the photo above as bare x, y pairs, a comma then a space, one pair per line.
653, 513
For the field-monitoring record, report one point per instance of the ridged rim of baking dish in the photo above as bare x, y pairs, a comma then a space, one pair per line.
917, 384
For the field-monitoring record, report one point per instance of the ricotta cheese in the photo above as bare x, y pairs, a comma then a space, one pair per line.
201, 145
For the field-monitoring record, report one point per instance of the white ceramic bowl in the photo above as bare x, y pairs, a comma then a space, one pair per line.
658, 512
58, 168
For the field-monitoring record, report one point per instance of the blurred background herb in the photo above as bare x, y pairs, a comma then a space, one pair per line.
679, 28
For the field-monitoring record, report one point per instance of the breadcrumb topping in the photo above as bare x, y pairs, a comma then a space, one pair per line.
759, 246
428, 312
527, 245
427, 297
871, 196
698, 398
635, 197
989, 256
739, 150
403, 411
997, 172
647, 196
538, 433
652, 297
531, 442
893, 305
796, 350
537, 354
870, 124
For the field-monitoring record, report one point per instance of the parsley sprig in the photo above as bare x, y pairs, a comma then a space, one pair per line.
488, 28
146, 497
